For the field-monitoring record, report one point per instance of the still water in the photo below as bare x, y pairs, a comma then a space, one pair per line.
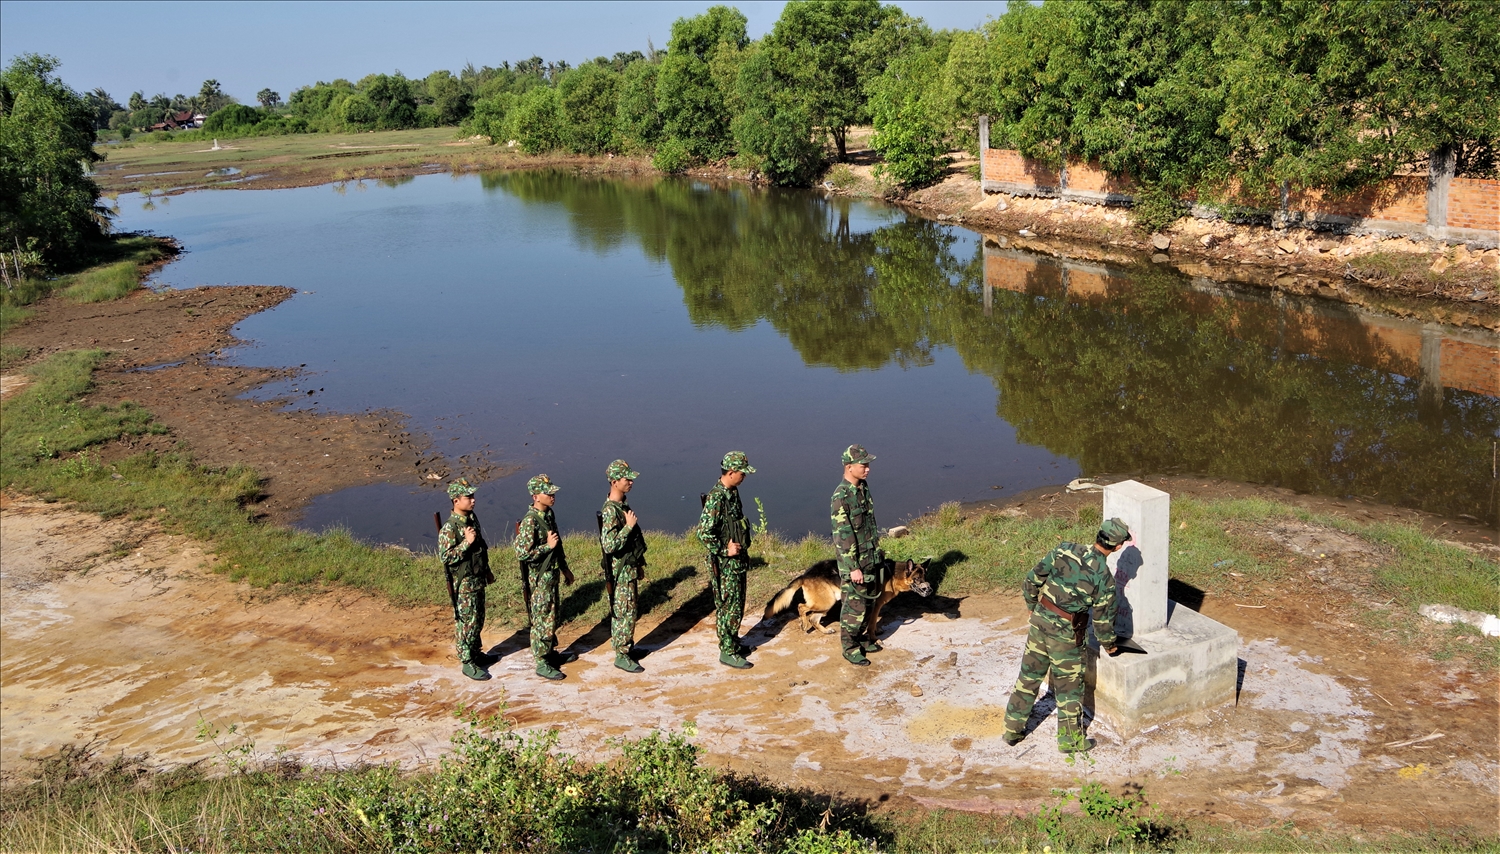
557, 322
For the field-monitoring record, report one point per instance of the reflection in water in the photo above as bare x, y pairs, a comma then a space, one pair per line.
1138, 370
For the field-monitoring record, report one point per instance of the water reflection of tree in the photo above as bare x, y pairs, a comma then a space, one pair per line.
1145, 380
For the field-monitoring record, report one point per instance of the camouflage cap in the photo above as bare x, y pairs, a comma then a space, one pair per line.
619, 469
541, 485
459, 488
737, 461
1113, 532
857, 454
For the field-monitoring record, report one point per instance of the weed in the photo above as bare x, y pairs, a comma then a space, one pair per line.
842, 177
236, 755
762, 527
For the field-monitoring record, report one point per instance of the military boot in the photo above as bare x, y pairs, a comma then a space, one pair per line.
482, 658
856, 657
1074, 743
547, 671
870, 645
627, 664
558, 659
735, 661
475, 672
1014, 738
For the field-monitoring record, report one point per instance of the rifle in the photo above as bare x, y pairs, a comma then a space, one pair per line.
609, 577
525, 579
437, 519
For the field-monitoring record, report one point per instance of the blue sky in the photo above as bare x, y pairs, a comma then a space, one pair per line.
173, 47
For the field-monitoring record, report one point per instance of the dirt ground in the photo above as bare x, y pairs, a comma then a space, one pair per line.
121, 636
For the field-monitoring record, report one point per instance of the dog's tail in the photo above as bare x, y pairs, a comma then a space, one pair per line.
783, 600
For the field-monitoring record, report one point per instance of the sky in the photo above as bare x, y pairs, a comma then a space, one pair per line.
172, 47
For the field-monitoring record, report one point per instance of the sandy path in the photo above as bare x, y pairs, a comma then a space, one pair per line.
113, 631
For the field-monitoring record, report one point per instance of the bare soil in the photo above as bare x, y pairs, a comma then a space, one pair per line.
119, 634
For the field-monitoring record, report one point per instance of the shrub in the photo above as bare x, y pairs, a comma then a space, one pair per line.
672, 157
1156, 209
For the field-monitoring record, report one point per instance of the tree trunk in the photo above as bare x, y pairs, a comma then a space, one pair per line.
840, 140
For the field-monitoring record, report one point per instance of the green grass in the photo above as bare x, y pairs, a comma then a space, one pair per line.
109, 270
498, 790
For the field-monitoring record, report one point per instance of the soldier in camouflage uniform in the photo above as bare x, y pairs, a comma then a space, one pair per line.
1061, 590
624, 549
466, 561
722, 530
859, 557
539, 549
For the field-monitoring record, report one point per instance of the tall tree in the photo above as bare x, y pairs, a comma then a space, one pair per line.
47, 138
590, 101
268, 99
693, 107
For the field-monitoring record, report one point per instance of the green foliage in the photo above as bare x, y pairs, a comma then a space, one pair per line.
491, 117
1156, 208
905, 103
590, 103
776, 125
538, 121
693, 107
673, 157
116, 271
638, 121
234, 119
47, 136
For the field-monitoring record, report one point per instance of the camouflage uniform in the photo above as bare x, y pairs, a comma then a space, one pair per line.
1075, 578
723, 521
626, 551
857, 540
468, 566
545, 566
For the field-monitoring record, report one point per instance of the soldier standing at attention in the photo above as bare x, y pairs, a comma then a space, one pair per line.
1061, 590
625, 551
723, 531
858, 543
539, 548
466, 561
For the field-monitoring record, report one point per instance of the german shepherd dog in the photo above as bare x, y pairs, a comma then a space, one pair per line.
820, 591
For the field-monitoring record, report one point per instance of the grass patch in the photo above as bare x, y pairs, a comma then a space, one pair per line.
498, 790
11, 356
108, 270
1415, 270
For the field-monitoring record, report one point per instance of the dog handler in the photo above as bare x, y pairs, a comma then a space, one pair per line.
466, 561
723, 531
539, 548
858, 543
625, 549
1061, 590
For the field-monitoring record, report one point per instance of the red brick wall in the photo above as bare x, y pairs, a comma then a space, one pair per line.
1089, 177
1401, 199
1474, 203
1005, 165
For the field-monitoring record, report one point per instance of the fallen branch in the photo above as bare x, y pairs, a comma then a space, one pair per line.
1415, 740
1387, 702
1238, 605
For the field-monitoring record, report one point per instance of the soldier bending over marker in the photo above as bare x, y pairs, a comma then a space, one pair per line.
723, 531
625, 553
540, 551
1060, 590
466, 561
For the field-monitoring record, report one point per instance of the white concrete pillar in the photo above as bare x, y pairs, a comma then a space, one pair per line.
1141, 567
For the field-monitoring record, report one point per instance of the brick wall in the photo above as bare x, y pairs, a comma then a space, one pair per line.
1474, 203
1471, 367
1088, 177
1400, 199
1002, 164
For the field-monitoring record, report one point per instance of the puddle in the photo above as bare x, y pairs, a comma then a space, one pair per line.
221, 172
157, 174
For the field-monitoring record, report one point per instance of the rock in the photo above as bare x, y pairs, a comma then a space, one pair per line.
1161, 242
1347, 251
1287, 246
1026, 232
898, 532
1488, 624
1327, 246
1441, 264
1001, 205
1159, 258
1208, 240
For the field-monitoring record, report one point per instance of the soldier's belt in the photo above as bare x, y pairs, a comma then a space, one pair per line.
1052, 606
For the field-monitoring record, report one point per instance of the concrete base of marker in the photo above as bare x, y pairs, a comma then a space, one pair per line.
1190, 665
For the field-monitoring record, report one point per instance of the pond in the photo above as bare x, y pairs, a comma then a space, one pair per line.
553, 323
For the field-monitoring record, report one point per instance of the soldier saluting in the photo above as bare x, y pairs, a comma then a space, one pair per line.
858, 543
723, 531
1061, 590
466, 561
539, 549
624, 550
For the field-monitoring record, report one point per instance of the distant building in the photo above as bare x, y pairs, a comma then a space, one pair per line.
180, 121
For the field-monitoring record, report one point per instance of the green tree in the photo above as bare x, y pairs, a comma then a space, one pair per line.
391, 97
268, 99
210, 99
637, 120
590, 102
538, 120
449, 96
818, 47
906, 103
776, 125
693, 107
103, 106
1337, 95
47, 134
